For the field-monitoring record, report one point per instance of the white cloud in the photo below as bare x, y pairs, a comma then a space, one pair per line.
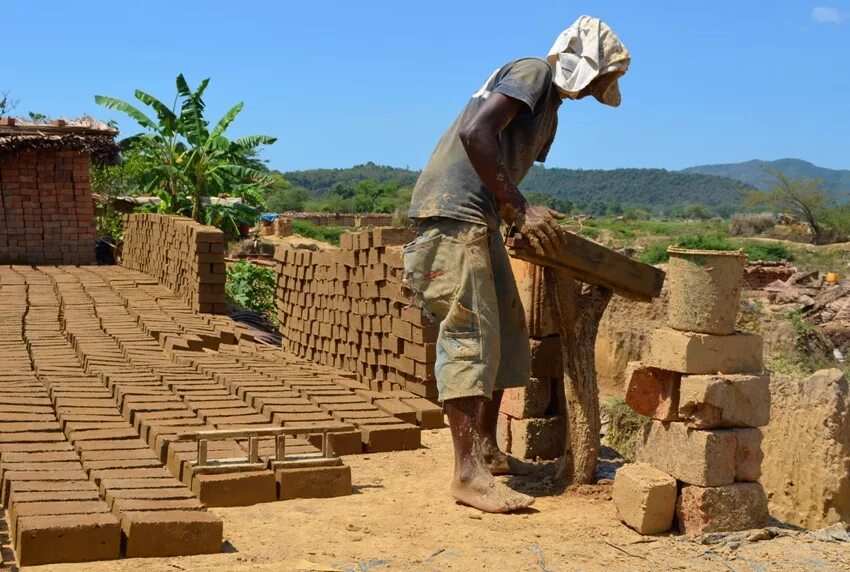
826, 15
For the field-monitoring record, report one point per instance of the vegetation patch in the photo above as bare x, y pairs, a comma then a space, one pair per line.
329, 234
253, 287
625, 427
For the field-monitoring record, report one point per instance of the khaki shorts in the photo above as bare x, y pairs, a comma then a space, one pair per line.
460, 275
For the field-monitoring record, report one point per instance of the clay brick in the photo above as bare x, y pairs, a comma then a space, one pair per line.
546, 358
529, 401
171, 533
172, 493
77, 538
709, 401
653, 392
739, 506
704, 458
748, 454
692, 353
645, 498
542, 437
313, 482
384, 438
235, 489
120, 505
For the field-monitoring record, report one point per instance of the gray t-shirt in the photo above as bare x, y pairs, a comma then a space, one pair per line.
449, 186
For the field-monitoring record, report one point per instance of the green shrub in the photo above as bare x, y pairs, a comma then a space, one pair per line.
329, 234
657, 253
251, 286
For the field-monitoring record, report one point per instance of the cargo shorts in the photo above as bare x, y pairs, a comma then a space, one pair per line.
460, 275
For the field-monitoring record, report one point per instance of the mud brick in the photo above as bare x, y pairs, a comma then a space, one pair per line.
122, 505
653, 392
739, 506
102, 435
31, 437
541, 437
173, 493
26, 509
529, 401
38, 457
384, 438
114, 484
710, 401
171, 533
748, 454
122, 464
53, 496
645, 498
704, 458
693, 353
110, 445
235, 489
313, 482
546, 359
77, 538
128, 474
19, 477
397, 408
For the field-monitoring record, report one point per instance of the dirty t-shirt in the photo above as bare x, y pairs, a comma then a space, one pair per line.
450, 187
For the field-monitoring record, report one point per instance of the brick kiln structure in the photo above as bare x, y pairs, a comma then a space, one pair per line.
46, 209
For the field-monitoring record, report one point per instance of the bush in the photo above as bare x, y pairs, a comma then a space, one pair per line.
625, 429
657, 253
251, 286
329, 234
751, 224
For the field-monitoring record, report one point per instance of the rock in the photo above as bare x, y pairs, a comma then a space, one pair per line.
692, 353
645, 498
806, 467
739, 506
711, 401
653, 392
705, 458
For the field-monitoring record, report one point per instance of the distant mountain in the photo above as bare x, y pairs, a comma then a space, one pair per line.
648, 188
753, 173
320, 181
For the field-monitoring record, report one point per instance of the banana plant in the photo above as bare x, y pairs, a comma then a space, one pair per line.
190, 159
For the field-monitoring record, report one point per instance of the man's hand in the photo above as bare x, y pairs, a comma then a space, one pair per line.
539, 225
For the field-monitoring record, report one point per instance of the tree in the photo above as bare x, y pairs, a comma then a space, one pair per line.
190, 160
804, 198
7, 104
281, 196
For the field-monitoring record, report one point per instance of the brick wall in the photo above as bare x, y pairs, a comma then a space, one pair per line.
343, 307
181, 254
46, 210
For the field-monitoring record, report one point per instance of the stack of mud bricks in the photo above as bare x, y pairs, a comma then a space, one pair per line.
705, 390
345, 308
342, 220
46, 209
282, 226
532, 419
181, 254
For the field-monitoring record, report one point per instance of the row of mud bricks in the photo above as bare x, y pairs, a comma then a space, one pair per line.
92, 404
345, 308
46, 209
181, 254
703, 386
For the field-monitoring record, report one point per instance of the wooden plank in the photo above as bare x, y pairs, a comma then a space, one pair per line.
595, 264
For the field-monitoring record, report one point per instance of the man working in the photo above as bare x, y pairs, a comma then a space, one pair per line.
458, 268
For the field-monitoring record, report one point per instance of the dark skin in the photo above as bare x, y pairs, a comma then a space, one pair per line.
473, 419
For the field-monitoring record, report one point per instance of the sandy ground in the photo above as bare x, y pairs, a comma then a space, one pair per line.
401, 518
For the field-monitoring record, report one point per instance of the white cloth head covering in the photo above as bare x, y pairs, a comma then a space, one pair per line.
584, 51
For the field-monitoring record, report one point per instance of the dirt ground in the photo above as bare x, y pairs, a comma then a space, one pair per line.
401, 518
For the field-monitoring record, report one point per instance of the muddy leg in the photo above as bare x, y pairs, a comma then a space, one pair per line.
472, 483
497, 461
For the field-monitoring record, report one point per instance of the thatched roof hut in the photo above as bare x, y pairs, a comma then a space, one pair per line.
85, 134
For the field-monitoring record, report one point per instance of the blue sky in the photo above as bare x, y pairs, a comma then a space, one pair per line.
344, 82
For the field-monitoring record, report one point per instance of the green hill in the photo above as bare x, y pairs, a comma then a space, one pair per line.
655, 189
753, 173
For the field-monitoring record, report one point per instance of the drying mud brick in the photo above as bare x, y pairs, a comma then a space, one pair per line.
709, 401
645, 498
653, 392
183, 255
705, 458
529, 401
235, 489
740, 506
691, 353
546, 358
171, 533
75, 538
395, 437
806, 448
313, 482
538, 438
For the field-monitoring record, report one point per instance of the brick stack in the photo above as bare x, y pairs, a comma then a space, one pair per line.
344, 308
532, 420
348, 220
181, 254
283, 226
704, 388
46, 209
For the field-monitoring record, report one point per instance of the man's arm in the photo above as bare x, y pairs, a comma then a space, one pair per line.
480, 138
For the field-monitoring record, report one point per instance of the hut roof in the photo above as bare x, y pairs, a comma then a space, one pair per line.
85, 134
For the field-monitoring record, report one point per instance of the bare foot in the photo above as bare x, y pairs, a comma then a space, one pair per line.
501, 464
485, 493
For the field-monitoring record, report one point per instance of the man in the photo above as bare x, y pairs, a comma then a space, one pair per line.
458, 268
